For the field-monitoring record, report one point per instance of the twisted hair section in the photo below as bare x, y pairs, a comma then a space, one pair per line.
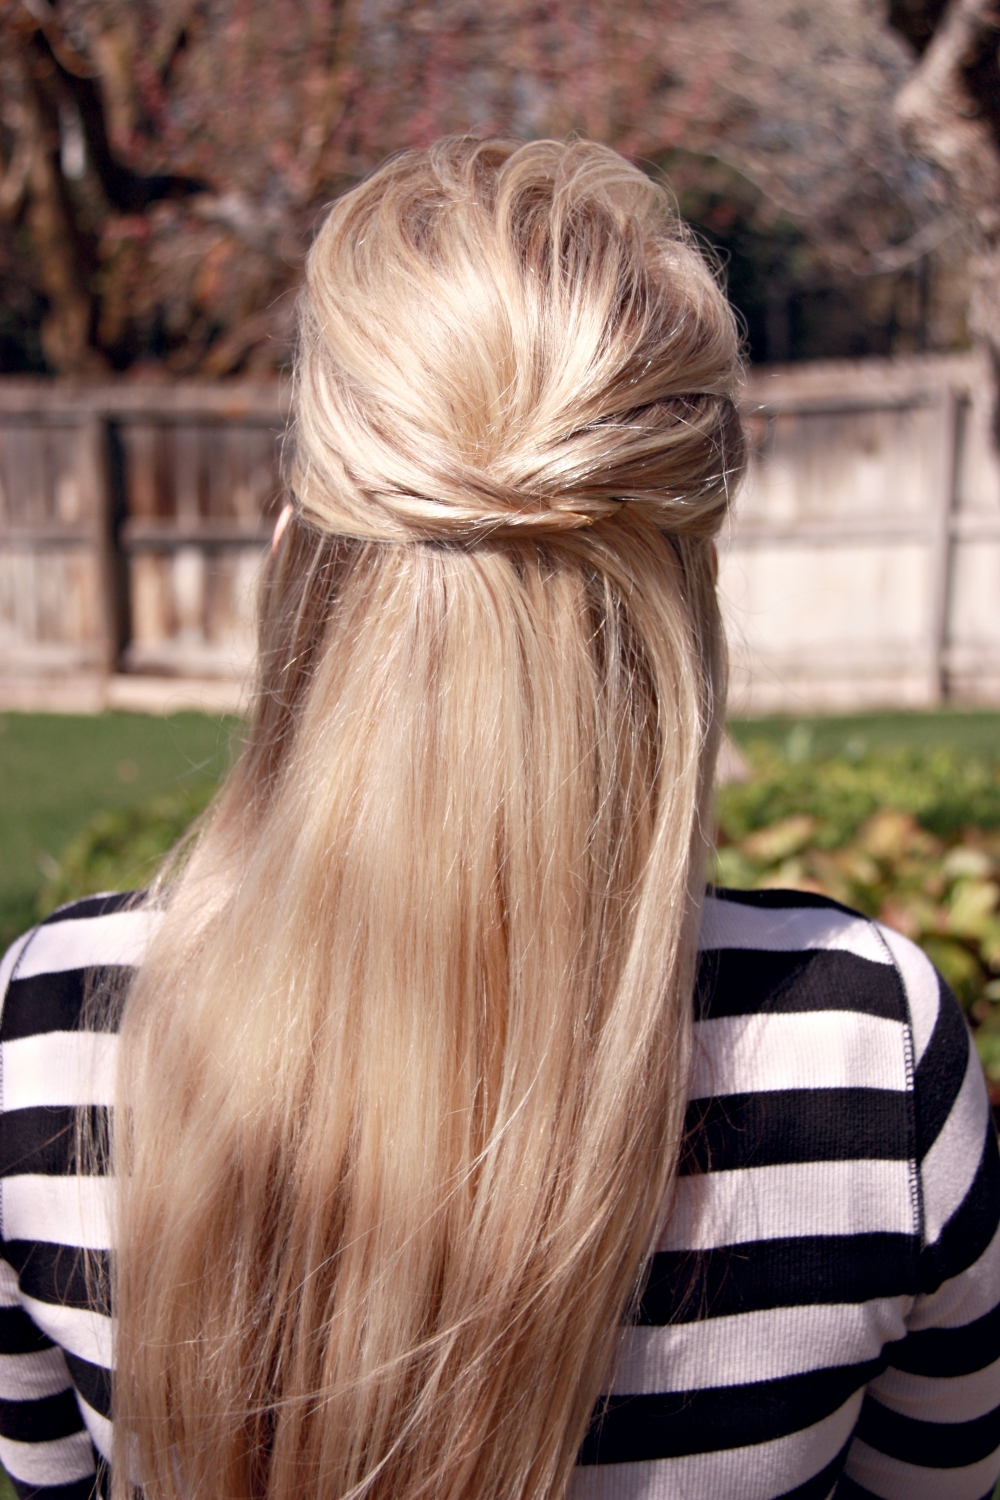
498, 343
403, 1077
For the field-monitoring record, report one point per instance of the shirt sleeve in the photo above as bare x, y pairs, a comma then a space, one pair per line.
44, 1446
930, 1423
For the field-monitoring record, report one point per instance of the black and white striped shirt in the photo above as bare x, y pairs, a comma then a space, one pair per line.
822, 1316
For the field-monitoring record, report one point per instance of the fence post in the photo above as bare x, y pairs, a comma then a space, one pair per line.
941, 540
95, 483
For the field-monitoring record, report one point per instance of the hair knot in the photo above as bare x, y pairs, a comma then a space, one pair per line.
478, 361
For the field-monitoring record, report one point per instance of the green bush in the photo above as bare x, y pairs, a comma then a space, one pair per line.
945, 791
59, 770
120, 850
910, 837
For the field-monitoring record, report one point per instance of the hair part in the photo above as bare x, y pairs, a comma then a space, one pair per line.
403, 1078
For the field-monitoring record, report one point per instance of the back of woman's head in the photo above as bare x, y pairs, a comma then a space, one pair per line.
503, 341
403, 1078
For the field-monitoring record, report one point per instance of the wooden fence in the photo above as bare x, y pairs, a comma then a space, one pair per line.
862, 567
131, 524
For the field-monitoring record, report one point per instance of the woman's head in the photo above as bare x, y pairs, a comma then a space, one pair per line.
502, 340
404, 1073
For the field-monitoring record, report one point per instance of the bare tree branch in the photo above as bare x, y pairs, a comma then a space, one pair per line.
188, 147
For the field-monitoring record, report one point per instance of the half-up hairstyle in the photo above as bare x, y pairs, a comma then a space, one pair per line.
403, 1078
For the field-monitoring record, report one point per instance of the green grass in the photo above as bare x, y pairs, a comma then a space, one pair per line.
813, 738
58, 770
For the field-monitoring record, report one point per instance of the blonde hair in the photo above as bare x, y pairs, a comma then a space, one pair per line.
402, 1080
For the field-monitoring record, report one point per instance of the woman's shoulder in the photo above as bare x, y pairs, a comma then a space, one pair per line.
829, 1047
801, 995
796, 953
44, 974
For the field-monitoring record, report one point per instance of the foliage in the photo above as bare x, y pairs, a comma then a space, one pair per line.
944, 790
163, 162
59, 770
909, 837
120, 850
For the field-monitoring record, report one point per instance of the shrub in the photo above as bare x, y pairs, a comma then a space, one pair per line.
910, 837
120, 850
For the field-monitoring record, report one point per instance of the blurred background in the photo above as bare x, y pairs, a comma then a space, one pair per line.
165, 161
163, 166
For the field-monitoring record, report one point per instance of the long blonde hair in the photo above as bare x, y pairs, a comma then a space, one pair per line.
402, 1080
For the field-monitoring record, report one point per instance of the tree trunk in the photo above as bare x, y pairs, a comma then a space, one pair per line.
949, 113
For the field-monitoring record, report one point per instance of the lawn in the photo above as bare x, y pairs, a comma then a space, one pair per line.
967, 733
58, 770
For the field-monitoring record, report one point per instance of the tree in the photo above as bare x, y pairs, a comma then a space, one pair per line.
164, 162
949, 111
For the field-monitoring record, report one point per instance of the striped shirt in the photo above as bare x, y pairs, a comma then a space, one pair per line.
821, 1317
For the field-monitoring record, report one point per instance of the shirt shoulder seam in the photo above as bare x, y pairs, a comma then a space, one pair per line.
909, 1064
